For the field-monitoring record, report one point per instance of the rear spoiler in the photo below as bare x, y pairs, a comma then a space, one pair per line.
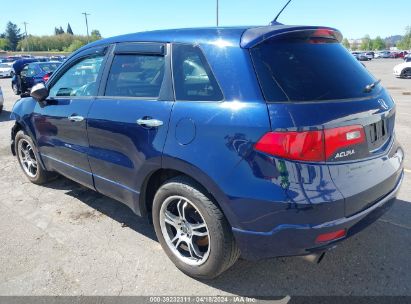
255, 36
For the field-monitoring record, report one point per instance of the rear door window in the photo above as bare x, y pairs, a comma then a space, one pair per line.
193, 79
136, 76
296, 69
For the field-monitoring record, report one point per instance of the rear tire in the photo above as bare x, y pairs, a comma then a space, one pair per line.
28, 158
406, 73
203, 245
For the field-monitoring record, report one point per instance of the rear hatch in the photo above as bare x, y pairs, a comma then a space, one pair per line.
313, 84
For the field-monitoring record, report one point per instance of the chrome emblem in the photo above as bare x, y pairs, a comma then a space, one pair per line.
383, 104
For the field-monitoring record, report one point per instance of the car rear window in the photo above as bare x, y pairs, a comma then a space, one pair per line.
49, 67
308, 69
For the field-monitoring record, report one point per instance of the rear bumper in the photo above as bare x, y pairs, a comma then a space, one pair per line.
294, 240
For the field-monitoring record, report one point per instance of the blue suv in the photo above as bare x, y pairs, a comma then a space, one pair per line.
254, 141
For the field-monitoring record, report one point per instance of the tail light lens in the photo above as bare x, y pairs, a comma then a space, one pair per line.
339, 138
46, 77
313, 146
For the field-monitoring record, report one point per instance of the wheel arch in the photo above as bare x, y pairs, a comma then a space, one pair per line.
19, 125
175, 167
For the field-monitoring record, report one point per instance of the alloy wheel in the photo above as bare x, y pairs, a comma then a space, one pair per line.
185, 230
27, 158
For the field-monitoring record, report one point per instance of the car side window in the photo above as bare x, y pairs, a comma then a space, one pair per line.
31, 71
193, 78
24, 71
80, 79
135, 76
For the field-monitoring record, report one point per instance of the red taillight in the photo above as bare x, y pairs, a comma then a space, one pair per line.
331, 236
338, 138
293, 145
310, 145
46, 77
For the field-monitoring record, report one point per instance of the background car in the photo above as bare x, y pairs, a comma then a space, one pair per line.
385, 54
403, 70
363, 57
370, 55
6, 69
18, 66
395, 55
34, 73
1, 100
58, 58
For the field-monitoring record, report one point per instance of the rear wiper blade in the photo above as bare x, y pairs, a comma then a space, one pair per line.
369, 87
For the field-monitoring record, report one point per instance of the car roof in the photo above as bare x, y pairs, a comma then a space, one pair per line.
185, 35
246, 36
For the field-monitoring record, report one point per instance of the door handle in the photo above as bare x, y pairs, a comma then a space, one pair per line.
75, 118
149, 122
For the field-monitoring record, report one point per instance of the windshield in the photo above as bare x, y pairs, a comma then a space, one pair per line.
309, 70
5, 66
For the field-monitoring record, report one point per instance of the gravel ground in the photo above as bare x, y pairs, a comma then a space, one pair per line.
64, 239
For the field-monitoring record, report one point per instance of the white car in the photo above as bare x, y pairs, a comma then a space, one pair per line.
403, 70
1, 100
6, 69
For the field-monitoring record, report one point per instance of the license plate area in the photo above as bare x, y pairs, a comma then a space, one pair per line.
377, 134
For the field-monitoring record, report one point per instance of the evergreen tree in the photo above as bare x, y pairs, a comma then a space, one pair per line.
12, 35
69, 30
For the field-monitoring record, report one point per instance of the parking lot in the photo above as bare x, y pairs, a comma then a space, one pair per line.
63, 239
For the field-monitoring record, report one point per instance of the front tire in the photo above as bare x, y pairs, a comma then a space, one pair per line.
192, 229
28, 158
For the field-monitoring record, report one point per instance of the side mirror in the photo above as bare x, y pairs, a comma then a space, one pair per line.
39, 92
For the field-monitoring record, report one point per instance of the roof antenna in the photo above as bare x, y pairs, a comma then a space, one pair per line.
274, 22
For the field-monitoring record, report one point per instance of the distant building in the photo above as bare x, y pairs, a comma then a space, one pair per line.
355, 43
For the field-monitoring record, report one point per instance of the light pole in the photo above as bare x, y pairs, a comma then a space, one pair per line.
85, 15
27, 39
217, 13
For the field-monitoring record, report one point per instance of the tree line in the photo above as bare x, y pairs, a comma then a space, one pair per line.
378, 44
14, 40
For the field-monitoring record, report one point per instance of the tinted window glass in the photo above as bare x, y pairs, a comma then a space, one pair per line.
23, 72
49, 67
309, 70
80, 79
135, 76
32, 71
193, 79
